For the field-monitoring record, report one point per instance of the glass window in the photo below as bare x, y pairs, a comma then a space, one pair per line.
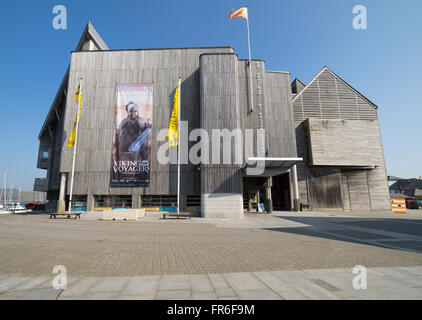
44, 154
113, 201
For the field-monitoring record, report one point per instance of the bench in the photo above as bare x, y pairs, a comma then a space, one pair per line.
76, 214
177, 214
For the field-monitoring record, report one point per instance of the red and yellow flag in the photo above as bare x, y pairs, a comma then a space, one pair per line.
242, 12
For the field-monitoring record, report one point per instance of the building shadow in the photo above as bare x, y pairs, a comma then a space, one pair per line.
399, 234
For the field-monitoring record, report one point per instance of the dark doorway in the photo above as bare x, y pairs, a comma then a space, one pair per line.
252, 187
280, 192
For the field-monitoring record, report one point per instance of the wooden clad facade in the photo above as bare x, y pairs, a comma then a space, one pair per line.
318, 122
338, 137
101, 70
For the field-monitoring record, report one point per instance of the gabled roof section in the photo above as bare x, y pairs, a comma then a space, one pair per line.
325, 68
297, 86
90, 34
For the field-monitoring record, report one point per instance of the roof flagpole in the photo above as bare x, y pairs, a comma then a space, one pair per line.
249, 62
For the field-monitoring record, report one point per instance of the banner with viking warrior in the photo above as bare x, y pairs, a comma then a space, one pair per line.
131, 160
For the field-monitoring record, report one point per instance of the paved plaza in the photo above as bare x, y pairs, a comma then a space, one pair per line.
285, 255
321, 284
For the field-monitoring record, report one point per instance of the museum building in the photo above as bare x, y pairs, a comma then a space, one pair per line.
319, 144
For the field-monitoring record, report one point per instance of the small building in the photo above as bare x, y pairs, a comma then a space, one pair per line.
338, 137
317, 144
408, 187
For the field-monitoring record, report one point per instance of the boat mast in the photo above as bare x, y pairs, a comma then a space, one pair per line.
4, 187
20, 190
1, 192
10, 192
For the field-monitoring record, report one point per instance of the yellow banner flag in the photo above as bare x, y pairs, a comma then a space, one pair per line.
174, 119
78, 94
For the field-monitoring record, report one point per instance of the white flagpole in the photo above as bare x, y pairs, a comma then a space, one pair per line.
178, 145
250, 62
74, 147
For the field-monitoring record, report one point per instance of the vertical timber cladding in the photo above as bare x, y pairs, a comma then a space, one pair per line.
101, 70
221, 184
278, 115
325, 188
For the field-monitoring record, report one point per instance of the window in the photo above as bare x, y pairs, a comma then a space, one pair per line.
149, 201
44, 154
114, 202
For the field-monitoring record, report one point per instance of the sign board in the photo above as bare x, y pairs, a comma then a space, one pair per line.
398, 205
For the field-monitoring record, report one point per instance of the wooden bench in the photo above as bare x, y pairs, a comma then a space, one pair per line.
177, 214
76, 214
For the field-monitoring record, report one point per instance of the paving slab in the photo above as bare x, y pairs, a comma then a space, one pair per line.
33, 283
80, 287
109, 284
41, 294
244, 281
141, 286
10, 282
262, 294
225, 292
218, 281
204, 296
174, 282
99, 296
174, 295
146, 296
200, 283
281, 288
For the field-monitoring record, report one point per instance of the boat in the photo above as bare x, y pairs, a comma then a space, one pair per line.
3, 210
15, 207
6, 205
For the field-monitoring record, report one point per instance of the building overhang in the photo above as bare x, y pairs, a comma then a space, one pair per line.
268, 167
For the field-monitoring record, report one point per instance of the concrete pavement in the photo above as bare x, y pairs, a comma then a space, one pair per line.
323, 284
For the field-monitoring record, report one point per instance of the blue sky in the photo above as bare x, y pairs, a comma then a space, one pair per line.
383, 62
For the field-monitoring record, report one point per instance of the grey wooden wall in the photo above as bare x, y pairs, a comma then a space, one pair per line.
219, 108
278, 114
329, 98
101, 70
336, 142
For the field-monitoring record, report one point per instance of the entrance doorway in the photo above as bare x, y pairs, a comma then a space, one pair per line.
253, 192
280, 192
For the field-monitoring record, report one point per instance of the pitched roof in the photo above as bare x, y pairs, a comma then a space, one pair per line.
325, 68
91, 34
407, 184
297, 86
